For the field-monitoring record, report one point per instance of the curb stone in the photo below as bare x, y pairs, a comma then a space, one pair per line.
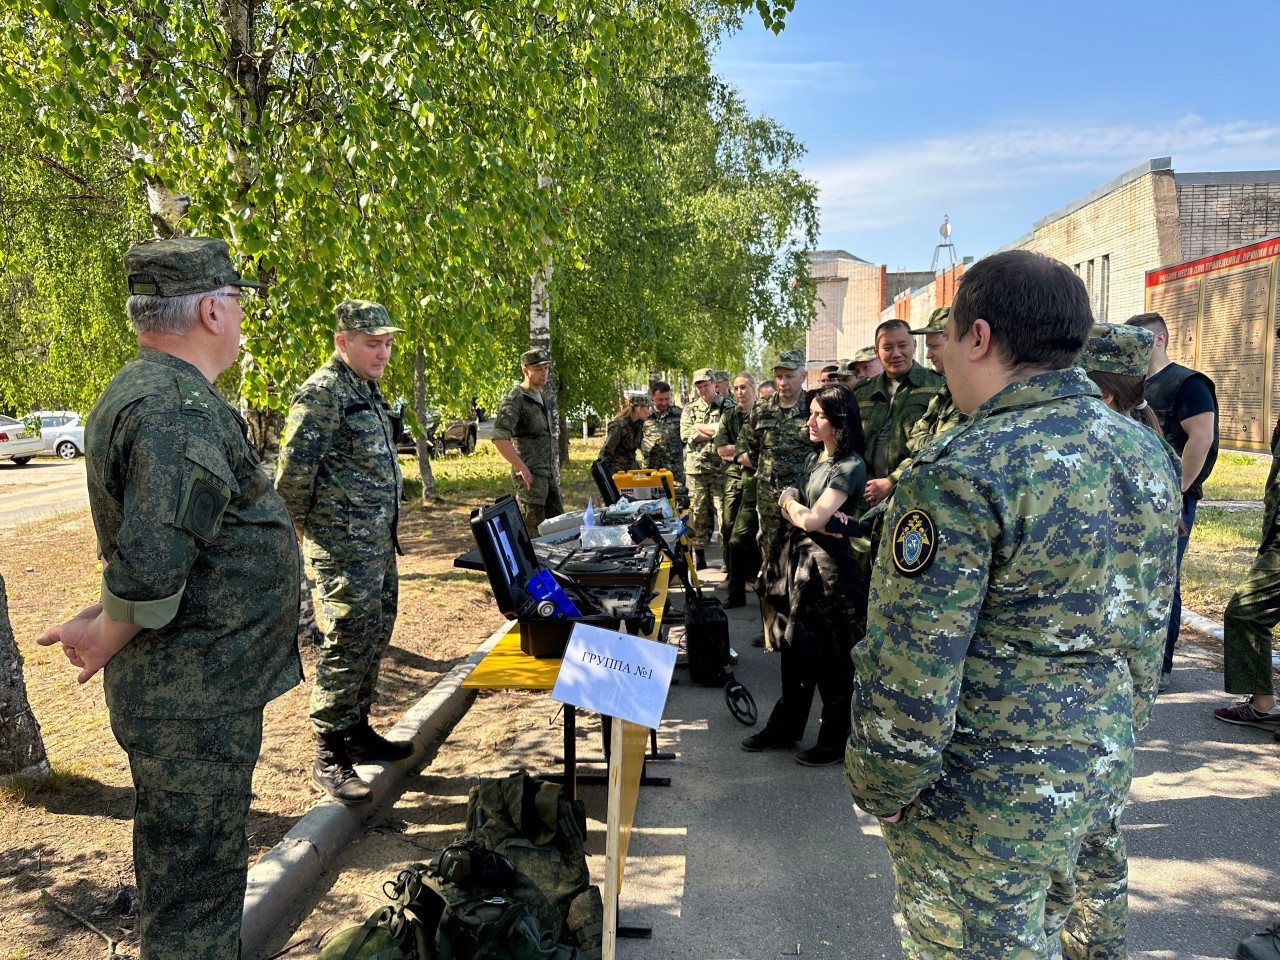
285, 872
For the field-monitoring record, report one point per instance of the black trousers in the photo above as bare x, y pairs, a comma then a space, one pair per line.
819, 661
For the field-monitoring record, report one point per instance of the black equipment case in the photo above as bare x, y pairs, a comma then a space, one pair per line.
611, 566
510, 562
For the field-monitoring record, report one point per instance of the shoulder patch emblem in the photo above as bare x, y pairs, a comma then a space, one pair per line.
915, 541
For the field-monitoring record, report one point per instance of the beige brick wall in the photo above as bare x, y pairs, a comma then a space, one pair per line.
848, 309
1113, 241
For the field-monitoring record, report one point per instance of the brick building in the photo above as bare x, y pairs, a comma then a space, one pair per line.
1145, 218
851, 294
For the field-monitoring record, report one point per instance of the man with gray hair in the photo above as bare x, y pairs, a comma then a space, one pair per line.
196, 630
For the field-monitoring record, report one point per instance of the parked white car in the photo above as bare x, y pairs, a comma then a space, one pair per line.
15, 444
62, 431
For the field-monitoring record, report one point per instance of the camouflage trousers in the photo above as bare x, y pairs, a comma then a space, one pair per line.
538, 502
1251, 615
190, 853
360, 599
968, 895
1099, 920
769, 520
707, 491
741, 550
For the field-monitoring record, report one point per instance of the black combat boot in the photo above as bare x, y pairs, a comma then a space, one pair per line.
699, 559
332, 773
364, 745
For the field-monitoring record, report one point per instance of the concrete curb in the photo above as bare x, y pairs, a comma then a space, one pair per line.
1203, 624
316, 842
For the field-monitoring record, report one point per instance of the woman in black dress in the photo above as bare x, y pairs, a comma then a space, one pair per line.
820, 610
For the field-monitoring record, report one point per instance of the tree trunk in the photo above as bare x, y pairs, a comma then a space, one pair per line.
21, 746
540, 338
420, 409
654, 377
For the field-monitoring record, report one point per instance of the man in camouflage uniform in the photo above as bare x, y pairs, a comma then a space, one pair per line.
663, 449
198, 621
866, 364
626, 435
845, 375
941, 414
724, 389
996, 689
339, 477
703, 468
522, 435
774, 440
739, 525
891, 403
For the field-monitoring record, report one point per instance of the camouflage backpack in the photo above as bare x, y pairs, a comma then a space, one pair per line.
432, 919
535, 825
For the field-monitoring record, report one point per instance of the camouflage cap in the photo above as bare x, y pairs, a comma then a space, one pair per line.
534, 358
722, 376
363, 316
1113, 348
790, 360
639, 400
182, 266
865, 355
846, 369
703, 373
936, 323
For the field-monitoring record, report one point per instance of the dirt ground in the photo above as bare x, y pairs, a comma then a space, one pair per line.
68, 838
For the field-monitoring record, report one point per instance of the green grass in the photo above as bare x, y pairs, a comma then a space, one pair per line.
1223, 545
1237, 476
485, 474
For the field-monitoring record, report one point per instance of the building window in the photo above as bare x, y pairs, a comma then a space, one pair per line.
1104, 289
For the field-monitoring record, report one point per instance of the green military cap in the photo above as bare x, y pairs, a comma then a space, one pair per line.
639, 400
534, 358
703, 373
363, 316
846, 369
937, 322
790, 360
722, 376
1113, 348
182, 266
865, 355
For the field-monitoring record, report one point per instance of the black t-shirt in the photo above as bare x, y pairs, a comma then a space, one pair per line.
1178, 393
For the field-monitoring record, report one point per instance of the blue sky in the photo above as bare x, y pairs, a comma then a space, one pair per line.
998, 113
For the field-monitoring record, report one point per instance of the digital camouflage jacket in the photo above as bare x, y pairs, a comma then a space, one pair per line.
777, 439
196, 548
622, 444
1017, 617
522, 418
700, 457
940, 416
663, 448
338, 473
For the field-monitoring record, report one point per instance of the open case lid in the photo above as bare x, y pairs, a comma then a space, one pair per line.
507, 551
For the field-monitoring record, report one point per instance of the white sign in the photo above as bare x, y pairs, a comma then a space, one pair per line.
616, 674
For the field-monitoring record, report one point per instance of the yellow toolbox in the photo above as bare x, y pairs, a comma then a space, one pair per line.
646, 485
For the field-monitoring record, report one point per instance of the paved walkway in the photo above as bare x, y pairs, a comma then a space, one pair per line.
753, 856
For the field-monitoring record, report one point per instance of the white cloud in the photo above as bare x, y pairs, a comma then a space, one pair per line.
911, 184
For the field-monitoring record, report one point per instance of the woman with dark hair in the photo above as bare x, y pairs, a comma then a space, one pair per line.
821, 604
